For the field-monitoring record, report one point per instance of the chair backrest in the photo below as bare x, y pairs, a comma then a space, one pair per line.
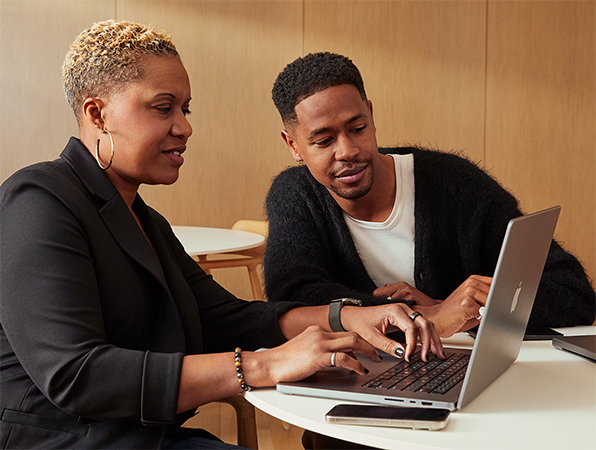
254, 226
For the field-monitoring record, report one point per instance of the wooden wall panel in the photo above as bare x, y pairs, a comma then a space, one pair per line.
232, 50
541, 112
512, 84
35, 118
422, 62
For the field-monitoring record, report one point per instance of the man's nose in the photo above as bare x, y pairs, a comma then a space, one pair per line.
345, 149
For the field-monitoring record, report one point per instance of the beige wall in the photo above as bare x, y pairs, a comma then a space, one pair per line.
511, 84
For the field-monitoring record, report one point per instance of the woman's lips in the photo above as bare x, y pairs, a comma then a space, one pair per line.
175, 155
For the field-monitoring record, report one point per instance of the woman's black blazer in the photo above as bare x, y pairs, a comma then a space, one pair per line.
94, 321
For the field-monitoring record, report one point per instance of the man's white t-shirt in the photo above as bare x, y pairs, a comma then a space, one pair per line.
387, 248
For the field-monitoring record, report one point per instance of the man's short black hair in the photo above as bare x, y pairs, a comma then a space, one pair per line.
310, 74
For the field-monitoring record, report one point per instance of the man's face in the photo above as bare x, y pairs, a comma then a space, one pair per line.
335, 136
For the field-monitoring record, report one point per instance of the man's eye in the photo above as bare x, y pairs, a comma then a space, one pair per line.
164, 109
359, 129
324, 142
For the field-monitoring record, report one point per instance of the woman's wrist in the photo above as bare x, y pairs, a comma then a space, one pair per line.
256, 371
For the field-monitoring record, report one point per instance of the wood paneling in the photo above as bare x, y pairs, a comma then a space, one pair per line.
232, 51
541, 112
511, 84
35, 118
422, 62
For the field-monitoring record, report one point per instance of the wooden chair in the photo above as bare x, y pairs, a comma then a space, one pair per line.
251, 258
246, 423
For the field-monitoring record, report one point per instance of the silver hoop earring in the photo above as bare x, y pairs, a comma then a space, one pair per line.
105, 131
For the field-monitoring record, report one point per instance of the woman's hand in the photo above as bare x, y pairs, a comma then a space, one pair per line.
459, 311
374, 322
306, 354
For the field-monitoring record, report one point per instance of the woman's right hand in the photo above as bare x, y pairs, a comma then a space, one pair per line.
306, 354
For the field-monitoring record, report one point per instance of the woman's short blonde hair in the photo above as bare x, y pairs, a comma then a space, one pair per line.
107, 56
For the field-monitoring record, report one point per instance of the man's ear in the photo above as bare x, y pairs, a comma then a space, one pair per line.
370, 108
292, 145
91, 113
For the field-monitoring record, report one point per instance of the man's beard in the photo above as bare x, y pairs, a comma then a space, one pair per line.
354, 193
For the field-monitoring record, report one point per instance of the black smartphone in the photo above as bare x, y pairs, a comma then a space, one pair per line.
389, 416
531, 334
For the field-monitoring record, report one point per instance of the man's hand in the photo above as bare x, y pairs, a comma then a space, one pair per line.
404, 291
459, 311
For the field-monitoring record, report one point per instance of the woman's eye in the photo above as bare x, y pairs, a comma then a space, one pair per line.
186, 111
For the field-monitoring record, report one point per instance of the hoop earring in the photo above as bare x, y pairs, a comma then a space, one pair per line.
105, 131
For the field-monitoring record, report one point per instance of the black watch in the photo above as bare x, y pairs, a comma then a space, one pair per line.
335, 311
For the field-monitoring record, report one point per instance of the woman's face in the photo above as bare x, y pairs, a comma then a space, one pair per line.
148, 124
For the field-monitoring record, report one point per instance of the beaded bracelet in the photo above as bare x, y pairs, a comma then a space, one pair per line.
238, 362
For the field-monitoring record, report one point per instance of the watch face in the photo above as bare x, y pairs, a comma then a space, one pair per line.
352, 301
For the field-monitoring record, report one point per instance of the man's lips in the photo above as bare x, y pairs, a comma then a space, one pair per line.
352, 175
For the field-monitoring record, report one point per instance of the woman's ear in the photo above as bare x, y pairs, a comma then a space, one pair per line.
91, 113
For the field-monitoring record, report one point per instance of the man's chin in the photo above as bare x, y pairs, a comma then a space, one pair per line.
354, 193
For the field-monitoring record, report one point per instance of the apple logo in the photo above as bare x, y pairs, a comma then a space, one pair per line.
516, 297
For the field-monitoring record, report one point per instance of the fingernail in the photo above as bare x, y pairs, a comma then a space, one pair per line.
399, 352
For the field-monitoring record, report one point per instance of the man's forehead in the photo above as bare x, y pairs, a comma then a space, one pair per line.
337, 104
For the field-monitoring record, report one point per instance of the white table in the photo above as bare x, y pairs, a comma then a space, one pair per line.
545, 400
200, 241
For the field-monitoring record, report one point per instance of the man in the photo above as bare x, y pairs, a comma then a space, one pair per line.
401, 224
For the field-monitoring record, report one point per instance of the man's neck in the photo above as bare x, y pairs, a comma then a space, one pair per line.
377, 204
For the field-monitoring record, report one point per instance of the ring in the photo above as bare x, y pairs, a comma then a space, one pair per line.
333, 359
480, 313
414, 315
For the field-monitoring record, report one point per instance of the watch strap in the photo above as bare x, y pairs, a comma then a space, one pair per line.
335, 312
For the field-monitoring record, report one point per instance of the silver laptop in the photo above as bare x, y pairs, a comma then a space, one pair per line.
455, 382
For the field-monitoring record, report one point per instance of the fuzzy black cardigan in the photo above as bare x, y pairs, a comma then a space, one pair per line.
461, 215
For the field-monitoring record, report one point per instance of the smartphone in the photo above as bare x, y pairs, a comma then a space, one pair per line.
531, 334
389, 416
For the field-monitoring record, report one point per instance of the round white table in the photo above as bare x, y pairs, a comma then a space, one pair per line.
199, 241
545, 400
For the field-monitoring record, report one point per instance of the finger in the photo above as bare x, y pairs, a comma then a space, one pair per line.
411, 333
350, 341
384, 292
424, 335
436, 345
351, 363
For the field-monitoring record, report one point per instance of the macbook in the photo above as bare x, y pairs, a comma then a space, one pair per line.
455, 382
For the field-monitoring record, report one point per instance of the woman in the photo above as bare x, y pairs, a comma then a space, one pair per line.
111, 334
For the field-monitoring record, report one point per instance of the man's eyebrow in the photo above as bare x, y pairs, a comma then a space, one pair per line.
318, 131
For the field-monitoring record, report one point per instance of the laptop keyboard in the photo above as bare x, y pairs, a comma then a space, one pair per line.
436, 376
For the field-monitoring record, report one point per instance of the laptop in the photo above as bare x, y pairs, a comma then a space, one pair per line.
583, 345
399, 383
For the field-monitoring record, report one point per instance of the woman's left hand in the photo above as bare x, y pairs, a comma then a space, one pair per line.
374, 322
